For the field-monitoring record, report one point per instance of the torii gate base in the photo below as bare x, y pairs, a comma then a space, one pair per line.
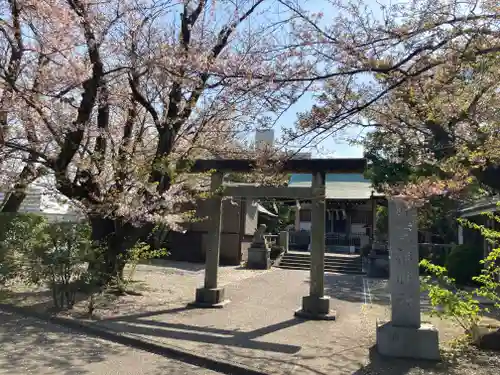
316, 308
209, 298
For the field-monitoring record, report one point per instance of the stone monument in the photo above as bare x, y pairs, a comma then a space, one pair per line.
405, 335
259, 253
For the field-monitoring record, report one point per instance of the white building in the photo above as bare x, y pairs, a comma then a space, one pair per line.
52, 205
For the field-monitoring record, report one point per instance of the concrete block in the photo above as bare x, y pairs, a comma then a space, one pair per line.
209, 298
259, 258
284, 240
316, 308
408, 342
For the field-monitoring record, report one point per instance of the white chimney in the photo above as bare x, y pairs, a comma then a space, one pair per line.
264, 138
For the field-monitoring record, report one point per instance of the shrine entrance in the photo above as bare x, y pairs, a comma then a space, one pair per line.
404, 335
314, 306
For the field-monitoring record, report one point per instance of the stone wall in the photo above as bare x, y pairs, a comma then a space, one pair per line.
229, 247
231, 217
185, 247
192, 245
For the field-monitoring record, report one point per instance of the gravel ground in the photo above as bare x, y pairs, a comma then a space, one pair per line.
161, 285
256, 329
34, 347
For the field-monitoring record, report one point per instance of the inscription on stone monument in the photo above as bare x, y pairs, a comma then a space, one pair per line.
404, 278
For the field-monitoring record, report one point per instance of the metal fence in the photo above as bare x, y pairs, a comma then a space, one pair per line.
301, 240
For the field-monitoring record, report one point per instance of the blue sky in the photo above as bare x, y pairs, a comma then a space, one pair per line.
334, 147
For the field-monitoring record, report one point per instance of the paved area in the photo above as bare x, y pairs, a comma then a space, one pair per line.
258, 329
29, 346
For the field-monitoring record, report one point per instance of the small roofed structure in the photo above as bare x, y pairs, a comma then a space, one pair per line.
351, 204
48, 203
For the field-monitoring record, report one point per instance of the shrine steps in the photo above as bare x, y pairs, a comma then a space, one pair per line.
335, 263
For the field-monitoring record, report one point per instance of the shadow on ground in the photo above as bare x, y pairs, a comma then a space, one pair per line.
182, 266
390, 366
357, 289
344, 362
186, 266
40, 300
29, 345
139, 325
280, 345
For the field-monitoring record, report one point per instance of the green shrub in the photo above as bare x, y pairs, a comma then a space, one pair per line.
447, 300
64, 261
462, 306
36, 252
463, 263
21, 237
57, 255
141, 251
382, 220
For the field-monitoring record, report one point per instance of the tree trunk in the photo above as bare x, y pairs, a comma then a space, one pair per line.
104, 266
13, 202
114, 238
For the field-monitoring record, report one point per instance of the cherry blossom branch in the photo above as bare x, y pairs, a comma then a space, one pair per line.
74, 138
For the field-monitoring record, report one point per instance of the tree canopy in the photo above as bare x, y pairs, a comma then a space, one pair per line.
425, 75
107, 96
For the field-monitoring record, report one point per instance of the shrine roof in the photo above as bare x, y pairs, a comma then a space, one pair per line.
340, 186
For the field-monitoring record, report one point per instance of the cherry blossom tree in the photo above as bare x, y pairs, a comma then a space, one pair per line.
423, 73
106, 97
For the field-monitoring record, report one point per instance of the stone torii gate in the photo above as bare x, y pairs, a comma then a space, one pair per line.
316, 305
